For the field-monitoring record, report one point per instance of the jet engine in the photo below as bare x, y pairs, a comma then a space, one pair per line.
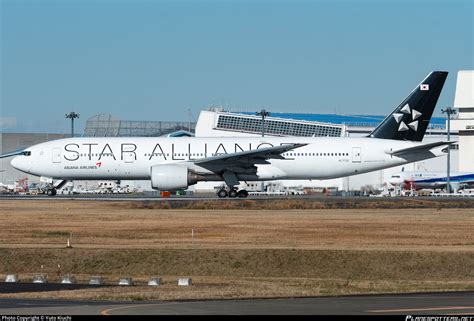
171, 177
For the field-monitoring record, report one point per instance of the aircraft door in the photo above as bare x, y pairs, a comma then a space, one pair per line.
356, 154
56, 155
129, 157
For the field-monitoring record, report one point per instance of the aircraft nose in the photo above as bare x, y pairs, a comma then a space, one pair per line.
14, 162
19, 163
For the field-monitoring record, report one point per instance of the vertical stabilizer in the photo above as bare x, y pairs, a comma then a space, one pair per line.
411, 118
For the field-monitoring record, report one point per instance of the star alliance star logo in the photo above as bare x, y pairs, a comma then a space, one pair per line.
406, 110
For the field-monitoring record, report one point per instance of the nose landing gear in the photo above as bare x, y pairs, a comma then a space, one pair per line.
53, 188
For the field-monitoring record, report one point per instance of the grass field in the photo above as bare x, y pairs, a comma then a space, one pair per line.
282, 251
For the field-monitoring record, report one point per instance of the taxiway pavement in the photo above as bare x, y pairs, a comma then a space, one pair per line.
457, 303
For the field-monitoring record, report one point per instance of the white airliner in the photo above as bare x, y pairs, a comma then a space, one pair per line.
432, 180
176, 163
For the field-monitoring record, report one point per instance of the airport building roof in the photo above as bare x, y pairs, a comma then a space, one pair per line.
279, 124
349, 120
106, 125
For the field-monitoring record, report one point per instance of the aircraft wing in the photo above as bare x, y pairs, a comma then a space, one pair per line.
15, 153
417, 149
244, 162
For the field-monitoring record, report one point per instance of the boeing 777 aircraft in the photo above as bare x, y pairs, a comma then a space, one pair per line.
176, 163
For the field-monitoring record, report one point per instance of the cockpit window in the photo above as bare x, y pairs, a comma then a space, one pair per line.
27, 153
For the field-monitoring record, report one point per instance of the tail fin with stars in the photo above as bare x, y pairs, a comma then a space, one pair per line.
411, 118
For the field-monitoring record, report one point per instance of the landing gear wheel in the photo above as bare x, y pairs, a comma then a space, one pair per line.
233, 193
222, 193
243, 193
51, 192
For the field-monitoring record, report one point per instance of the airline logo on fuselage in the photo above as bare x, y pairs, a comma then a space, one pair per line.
80, 167
94, 151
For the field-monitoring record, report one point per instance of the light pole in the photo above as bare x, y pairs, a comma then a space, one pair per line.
449, 111
264, 114
72, 115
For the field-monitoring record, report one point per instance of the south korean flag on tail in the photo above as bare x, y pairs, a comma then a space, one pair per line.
424, 87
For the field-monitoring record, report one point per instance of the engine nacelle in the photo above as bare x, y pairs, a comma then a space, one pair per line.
171, 177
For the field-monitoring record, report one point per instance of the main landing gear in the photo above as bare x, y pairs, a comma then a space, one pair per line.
232, 193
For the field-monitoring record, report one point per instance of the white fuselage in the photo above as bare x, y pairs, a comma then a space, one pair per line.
128, 158
420, 180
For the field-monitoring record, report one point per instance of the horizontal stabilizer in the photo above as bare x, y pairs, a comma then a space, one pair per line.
417, 148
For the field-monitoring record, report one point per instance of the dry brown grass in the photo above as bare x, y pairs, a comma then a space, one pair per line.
275, 263
301, 203
240, 253
108, 225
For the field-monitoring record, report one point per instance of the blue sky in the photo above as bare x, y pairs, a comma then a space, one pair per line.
152, 60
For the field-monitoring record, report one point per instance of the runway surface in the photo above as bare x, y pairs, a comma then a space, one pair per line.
457, 303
